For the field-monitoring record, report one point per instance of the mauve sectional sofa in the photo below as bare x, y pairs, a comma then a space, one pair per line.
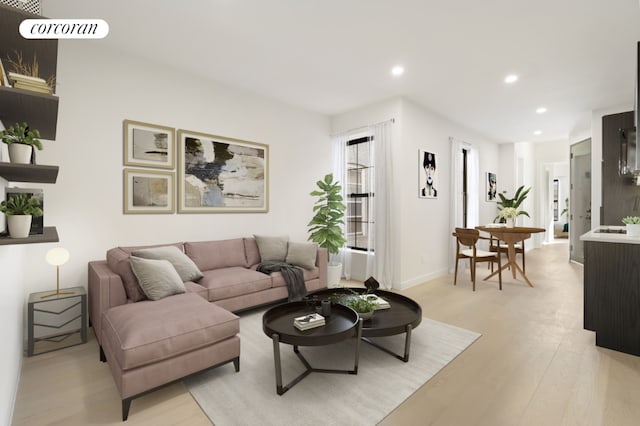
149, 343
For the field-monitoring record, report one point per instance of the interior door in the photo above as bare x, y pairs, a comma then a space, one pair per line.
579, 197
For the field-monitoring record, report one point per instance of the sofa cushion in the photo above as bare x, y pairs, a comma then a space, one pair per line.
209, 255
158, 278
148, 332
308, 274
302, 254
272, 247
118, 261
251, 251
184, 266
235, 281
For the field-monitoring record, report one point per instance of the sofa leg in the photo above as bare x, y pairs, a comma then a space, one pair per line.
236, 363
103, 357
126, 404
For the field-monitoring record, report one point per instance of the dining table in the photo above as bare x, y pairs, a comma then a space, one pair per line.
510, 236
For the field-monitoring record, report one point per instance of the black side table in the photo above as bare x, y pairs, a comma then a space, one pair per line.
342, 324
57, 319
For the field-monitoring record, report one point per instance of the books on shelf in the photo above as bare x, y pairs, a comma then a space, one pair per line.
3, 76
306, 322
379, 301
26, 82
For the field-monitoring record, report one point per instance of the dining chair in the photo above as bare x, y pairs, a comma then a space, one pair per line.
495, 246
466, 248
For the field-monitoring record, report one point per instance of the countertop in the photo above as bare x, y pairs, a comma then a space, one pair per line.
613, 236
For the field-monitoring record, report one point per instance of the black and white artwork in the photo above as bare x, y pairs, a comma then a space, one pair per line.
148, 145
221, 175
491, 187
427, 170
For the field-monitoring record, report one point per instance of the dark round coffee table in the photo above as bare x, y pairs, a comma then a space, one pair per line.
403, 316
277, 323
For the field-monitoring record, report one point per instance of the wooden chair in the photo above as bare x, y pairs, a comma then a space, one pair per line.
497, 246
469, 238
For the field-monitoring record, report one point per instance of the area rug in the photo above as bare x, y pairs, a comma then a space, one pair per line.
382, 383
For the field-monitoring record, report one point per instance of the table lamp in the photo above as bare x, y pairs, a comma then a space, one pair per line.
57, 256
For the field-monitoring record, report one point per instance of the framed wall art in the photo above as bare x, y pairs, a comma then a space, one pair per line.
491, 187
149, 191
217, 174
428, 182
149, 145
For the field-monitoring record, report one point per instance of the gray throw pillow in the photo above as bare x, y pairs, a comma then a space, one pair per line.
185, 267
158, 278
272, 247
302, 254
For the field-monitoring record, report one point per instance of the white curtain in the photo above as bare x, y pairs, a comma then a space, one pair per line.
379, 262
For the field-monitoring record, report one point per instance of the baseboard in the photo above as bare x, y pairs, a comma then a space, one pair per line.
423, 278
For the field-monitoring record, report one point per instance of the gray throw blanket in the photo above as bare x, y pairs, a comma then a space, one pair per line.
292, 276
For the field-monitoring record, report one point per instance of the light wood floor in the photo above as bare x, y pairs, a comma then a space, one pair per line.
533, 365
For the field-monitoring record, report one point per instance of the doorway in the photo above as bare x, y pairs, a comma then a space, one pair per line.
579, 197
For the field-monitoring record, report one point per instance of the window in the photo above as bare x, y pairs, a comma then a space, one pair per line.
359, 191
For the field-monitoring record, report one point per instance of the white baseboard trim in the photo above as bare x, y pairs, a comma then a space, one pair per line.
423, 278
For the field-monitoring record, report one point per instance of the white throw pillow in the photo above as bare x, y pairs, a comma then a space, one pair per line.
302, 254
158, 278
185, 267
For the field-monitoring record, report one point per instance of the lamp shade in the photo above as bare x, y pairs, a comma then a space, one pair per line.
57, 256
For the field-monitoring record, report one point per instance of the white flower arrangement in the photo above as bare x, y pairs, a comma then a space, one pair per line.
508, 213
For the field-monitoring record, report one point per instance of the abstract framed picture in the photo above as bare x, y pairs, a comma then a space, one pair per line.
491, 187
149, 191
427, 171
149, 145
217, 174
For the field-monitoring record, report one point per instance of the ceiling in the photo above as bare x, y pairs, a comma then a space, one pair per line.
331, 56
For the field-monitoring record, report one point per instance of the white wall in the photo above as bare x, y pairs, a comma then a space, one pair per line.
98, 89
12, 300
422, 235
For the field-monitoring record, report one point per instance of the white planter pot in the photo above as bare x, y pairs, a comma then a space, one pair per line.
20, 153
334, 273
510, 222
633, 229
19, 225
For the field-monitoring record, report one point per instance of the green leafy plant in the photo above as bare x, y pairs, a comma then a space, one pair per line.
515, 202
631, 220
566, 207
20, 133
324, 227
21, 204
359, 304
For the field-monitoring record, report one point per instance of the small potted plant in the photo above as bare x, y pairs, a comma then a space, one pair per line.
324, 227
363, 306
633, 225
19, 210
21, 140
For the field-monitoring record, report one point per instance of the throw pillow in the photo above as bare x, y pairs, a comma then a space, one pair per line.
272, 247
302, 254
185, 267
158, 278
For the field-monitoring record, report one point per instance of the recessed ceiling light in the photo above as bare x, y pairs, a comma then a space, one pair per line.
541, 110
511, 78
397, 70
537, 132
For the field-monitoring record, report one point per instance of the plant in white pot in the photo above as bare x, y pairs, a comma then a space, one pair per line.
20, 209
324, 227
512, 203
633, 225
21, 140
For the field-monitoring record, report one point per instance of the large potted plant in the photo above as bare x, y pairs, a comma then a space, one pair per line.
512, 203
324, 227
20, 209
21, 140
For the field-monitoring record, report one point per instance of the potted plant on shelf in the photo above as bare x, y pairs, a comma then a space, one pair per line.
19, 210
324, 227
21, 140
512, 203
633, 225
